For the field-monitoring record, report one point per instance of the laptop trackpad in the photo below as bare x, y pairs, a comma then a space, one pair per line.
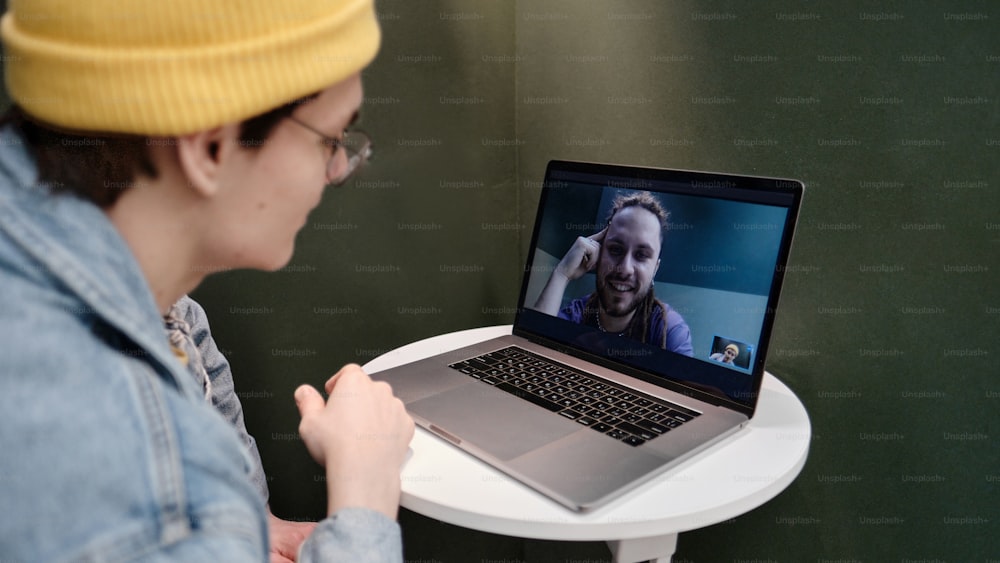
490, 420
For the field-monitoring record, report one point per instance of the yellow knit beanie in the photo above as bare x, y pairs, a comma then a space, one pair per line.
171, 67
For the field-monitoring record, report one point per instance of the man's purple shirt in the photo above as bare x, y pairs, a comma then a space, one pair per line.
678, 333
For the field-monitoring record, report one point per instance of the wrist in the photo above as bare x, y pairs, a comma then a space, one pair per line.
371, 490
560, 276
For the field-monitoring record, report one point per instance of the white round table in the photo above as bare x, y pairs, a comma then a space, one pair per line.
732, 477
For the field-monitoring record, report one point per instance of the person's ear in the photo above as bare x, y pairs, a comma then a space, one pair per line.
203, 154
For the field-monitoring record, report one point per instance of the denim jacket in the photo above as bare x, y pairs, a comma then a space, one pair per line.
108, 450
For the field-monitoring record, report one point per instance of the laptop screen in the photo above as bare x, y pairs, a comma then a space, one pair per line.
673, 274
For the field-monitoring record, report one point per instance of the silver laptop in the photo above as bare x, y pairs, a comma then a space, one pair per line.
640, 336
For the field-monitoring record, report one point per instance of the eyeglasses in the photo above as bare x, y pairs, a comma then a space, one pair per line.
357, 147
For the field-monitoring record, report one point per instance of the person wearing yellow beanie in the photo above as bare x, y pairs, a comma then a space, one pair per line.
727, 355
150, 144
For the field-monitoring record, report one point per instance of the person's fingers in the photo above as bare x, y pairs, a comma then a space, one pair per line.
311, 405
590, 254
330, 383
308, 400
383, 389
349, 370
592, 249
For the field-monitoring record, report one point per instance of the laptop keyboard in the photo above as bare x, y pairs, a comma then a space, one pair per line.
617, 411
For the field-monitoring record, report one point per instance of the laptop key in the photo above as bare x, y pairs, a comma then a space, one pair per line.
640, 432
477, 364
463, 367
570, 414
634, 441
544, 403
653, 426
618, 434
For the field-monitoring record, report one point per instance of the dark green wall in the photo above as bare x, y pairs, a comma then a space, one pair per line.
889, 112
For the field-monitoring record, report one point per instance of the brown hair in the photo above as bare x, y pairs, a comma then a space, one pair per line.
101, 166
644, 200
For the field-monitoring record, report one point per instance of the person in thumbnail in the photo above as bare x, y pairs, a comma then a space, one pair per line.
625, 256
727, 356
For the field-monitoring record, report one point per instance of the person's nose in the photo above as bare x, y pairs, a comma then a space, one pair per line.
336, 165
627, 265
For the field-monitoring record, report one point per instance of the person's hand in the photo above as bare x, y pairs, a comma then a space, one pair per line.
582, 256
360, 434
286, 537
